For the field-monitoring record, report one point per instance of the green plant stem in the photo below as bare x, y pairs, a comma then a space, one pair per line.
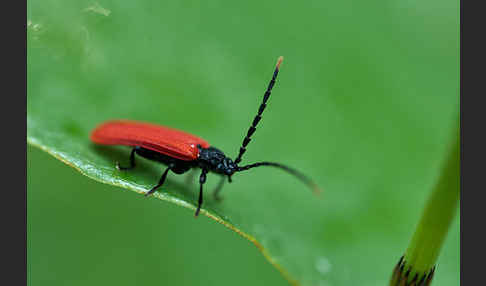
418, 263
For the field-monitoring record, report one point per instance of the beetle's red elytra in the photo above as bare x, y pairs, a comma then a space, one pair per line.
181, 151
165, 140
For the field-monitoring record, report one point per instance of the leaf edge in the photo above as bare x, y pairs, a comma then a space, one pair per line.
266, 254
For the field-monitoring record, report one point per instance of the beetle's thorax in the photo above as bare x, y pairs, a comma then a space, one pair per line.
216, 161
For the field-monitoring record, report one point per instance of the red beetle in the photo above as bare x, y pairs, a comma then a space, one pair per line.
181, 151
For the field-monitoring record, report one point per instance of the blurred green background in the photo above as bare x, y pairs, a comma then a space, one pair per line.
365, 104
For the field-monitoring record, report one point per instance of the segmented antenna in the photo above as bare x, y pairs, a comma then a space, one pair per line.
260, 111
289, 170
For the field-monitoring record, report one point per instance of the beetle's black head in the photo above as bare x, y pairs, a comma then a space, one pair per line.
216, 161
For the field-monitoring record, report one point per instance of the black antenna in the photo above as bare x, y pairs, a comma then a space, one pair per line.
289, 170
260, 111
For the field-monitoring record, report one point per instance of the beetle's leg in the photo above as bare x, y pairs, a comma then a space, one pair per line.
218, 189
132, 162
161, 181
202, 180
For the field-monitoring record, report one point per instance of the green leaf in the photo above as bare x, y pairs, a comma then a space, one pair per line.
364, 104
